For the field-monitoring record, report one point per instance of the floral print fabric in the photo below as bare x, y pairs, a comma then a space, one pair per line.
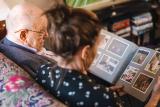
17, 89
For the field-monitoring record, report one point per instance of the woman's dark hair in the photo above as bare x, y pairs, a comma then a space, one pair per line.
70, 29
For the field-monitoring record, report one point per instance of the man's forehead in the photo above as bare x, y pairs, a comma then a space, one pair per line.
41, 22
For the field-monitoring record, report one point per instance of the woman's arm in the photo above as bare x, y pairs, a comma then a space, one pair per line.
76, 89
155, 97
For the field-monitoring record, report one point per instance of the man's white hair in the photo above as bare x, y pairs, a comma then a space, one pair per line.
22, 16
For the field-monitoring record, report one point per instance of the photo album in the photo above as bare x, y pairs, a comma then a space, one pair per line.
119, 61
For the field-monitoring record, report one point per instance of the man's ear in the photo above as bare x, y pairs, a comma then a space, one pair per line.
23, 35
85, 52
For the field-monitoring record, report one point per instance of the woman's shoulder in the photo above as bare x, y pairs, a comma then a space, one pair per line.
53, 67
57, 71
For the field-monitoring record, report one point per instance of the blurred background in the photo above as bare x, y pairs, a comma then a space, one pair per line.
135, 20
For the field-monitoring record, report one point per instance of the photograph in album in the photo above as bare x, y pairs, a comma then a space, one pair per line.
142, 83
129, 74
107, 64
140, 57
117, 47
104, 41
154, 65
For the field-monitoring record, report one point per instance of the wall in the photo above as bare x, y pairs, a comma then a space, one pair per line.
6, 5
4, 9
44, 4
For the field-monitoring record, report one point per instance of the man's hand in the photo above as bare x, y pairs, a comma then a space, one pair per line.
155, 97
156, 89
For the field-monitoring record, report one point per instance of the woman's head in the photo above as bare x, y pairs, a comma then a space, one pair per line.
72, 29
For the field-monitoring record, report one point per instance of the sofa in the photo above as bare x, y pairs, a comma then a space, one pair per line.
18, 89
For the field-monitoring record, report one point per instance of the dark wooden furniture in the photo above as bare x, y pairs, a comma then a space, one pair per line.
124, 11
2, 29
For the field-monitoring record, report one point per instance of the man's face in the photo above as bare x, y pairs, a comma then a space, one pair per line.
36, 36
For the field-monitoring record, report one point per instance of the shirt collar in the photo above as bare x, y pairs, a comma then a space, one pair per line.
25, 46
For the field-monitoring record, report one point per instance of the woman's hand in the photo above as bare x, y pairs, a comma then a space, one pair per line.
119, 89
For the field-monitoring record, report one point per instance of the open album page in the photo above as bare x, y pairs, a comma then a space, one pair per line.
140, 75
113, 56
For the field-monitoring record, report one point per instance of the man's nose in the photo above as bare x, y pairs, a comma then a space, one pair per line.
46, 34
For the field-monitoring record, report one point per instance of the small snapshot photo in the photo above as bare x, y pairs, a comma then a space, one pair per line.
129, 74
117, 47
96, 57
154, 65
103, 41
107, 64
143, 82
140, 57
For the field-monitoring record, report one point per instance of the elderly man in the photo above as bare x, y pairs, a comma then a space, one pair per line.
25, 23
26, 31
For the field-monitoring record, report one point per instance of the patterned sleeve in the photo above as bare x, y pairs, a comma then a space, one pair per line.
77, 90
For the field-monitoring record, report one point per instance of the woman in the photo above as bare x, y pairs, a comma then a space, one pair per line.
74, 37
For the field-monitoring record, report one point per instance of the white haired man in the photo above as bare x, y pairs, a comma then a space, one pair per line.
26, 31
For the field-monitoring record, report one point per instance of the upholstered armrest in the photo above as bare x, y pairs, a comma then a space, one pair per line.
17, 89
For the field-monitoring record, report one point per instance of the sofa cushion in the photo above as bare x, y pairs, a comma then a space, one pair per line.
18, 89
